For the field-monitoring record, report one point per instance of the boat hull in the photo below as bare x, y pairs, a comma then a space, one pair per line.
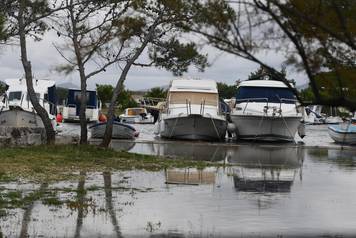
120, 131
341, 135
20, 118
193, 127
249, 127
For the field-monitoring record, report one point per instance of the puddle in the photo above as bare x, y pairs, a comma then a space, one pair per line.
265, 191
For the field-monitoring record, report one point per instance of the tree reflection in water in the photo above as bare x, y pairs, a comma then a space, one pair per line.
109, 202
28, 211
80, 201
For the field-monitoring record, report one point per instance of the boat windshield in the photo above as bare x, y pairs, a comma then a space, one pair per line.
262, 94
15, 95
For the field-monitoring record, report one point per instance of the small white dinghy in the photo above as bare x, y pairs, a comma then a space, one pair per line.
137, 115
120, 130
344, 133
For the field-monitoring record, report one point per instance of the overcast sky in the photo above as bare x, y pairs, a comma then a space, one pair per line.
224, 67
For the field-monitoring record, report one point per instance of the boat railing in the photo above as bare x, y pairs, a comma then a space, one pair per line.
248, 100
188, 106
281, 100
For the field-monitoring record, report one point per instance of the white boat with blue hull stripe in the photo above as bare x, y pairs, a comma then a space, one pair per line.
344, 133
265, 110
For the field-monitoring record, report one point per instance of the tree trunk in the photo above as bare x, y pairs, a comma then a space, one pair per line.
82, 115
109, 203
83, 80
50, 133
109, 125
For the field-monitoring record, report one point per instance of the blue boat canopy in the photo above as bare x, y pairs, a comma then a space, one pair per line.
260, 94
74, 97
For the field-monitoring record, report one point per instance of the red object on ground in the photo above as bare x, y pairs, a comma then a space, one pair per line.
102, 118
59, 118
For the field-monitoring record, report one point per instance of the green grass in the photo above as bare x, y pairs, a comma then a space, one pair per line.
60, 162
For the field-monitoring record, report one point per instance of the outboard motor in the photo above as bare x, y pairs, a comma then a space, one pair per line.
143, 115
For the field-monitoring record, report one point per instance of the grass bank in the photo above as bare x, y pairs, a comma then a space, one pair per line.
60, 162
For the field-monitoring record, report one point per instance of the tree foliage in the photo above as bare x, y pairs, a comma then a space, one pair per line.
2, 26
125, 100
157, 26
314, 36
62, 94
156, 92
226, 91
105, 92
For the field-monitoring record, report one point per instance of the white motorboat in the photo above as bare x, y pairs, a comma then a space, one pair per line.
71, 109
344, 133
17, 109
265, 110
314, 116
119, 131
136, 115
192, 112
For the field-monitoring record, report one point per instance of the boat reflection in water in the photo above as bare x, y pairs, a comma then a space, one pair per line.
190, 176
191, 150
265, 169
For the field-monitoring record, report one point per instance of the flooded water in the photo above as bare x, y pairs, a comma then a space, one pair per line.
264, 190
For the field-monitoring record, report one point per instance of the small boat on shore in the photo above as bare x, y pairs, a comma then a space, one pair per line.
137, 115
120, 130
343, 133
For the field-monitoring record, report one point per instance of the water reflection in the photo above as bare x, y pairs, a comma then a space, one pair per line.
80, 203
195, 151
26, 219
259, 194
109, 203
343, 158
190, 176
265, 168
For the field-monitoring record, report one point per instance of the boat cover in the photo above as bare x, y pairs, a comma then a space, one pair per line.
344, 128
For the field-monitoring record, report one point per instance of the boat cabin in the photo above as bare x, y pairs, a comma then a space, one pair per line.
193, 96
17, 95
264, 91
